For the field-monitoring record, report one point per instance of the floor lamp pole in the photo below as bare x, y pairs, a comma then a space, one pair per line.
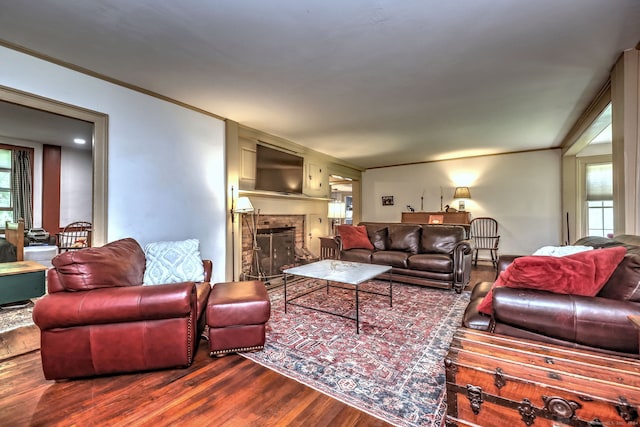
233, 240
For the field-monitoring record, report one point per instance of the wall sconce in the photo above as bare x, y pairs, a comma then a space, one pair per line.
461, 193
243, 206
336, 211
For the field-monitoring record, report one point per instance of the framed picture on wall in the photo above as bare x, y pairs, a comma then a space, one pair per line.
387, 200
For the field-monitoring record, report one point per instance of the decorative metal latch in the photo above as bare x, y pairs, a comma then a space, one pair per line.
498, 378
527, 411
474, 394
626, 411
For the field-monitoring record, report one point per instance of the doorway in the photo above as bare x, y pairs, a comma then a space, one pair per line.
342, 191
99, 149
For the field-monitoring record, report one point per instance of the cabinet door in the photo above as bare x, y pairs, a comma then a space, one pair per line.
314, 178
248, 167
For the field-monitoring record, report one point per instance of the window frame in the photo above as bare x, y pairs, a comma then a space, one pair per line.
583, 207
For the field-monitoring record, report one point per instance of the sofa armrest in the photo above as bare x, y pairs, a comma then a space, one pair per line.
115, 305
462, 264
592, 321
504, 261
208, 269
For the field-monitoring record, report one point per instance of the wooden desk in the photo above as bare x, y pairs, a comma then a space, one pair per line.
448, 217
21, 280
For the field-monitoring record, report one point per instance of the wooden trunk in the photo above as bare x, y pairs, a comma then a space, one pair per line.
499, 381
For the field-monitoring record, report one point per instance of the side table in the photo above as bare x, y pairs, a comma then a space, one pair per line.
21, 281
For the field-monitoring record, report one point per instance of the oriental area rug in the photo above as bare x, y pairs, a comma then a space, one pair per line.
394, 369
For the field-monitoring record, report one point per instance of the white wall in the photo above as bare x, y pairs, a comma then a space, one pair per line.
76, 186
522, 191
166, 163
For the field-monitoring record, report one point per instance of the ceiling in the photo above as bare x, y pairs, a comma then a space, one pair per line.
372, 82
29, 124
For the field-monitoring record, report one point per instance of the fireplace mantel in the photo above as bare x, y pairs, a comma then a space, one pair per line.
280, 195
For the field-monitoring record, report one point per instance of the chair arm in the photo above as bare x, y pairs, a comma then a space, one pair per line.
338, 240
592, 321
115, 305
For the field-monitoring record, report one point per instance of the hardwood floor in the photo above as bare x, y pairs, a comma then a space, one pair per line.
227, 391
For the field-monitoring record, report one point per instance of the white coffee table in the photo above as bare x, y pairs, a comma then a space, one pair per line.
349, 274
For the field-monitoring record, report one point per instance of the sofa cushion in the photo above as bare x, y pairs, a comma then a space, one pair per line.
440, 239
378, 236
431, 262
119, 263
393, 258
404, 238
584, 273
173, 262
356, 255
624, 283
354, 237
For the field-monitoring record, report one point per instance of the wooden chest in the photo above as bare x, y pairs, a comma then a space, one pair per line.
500, 381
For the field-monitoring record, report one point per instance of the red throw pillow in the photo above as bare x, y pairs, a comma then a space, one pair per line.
584, 273
354, 237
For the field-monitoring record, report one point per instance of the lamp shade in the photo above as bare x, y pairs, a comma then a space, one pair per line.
462, 193
243, 205
336, 210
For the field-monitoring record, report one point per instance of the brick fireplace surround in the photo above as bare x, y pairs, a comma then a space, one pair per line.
268, 221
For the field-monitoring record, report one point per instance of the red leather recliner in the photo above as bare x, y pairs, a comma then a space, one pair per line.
98, 318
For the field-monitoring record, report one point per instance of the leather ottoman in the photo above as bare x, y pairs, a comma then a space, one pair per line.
236, 315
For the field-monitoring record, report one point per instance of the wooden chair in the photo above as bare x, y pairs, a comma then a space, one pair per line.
76, 235
484, 233
14, 234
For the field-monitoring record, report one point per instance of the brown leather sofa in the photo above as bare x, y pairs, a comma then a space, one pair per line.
598, 323
99, 319
420, 254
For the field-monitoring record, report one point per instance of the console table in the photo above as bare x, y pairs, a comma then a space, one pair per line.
461, 217
21, 281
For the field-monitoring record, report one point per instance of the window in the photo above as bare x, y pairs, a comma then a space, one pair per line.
6, 207
599, 192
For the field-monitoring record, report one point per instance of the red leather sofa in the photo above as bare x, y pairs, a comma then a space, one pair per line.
99, 319
598, 323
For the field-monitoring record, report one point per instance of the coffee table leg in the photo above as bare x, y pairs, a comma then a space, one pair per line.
357, 310
285, 293
390, 291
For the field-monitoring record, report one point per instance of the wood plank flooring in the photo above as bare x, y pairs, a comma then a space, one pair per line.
227, 391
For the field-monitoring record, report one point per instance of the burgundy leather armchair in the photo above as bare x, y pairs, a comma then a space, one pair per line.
598, 323
99, 319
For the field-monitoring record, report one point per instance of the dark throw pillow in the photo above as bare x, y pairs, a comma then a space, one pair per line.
378, 237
